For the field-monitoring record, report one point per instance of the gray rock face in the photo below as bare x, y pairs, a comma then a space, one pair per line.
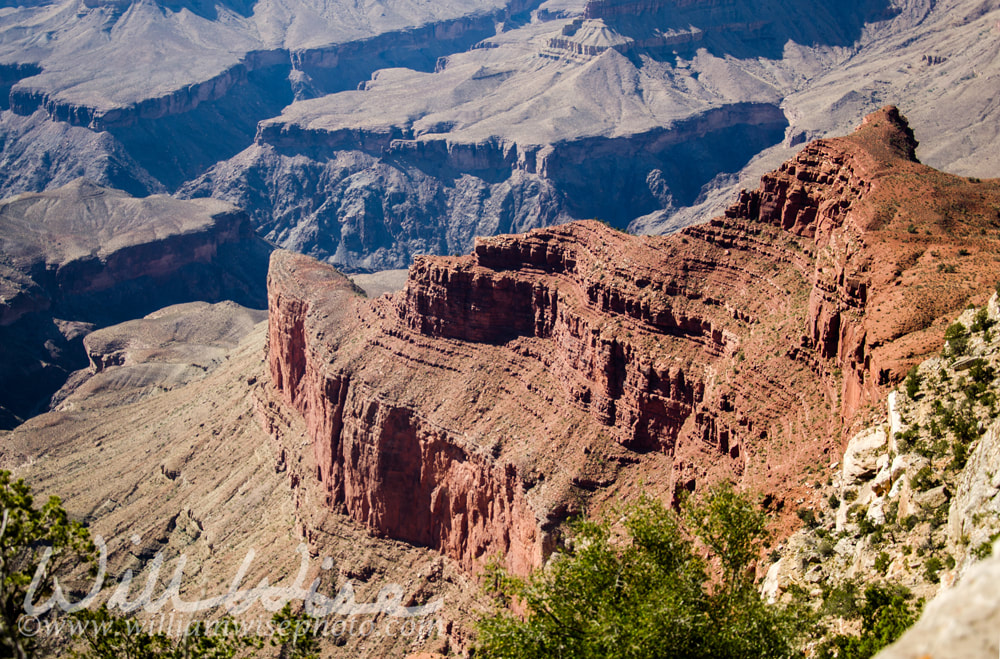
113, 61
974, 515
40, 154
506, 137
181, 85
378, 201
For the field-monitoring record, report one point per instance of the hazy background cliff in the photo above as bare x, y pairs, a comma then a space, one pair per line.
364, 136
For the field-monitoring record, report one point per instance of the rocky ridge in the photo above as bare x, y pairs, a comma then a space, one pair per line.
162, 351
670, 362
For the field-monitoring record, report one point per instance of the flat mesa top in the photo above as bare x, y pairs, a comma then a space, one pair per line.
82, 219
107, 54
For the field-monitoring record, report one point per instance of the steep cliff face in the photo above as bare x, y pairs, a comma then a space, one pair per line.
387, 190
83, 256
740, 28
579, 363
373, 452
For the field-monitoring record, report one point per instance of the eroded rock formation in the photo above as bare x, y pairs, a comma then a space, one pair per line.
500, 391
83, 256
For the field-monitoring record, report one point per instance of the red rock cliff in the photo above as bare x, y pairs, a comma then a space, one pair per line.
385, 460
501, 391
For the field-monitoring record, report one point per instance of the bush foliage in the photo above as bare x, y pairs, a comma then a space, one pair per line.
646, 591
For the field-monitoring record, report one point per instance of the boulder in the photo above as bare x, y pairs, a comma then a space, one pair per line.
960, 622
862, 454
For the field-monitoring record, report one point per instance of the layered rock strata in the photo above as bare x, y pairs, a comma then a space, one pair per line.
393, 187
167, 114
501, 390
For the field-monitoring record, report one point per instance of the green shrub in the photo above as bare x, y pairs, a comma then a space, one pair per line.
982, 373
833, 501
960, 455
807, 516
892, 512
964, 424
842, 600
982, 321
923, 479
913, 382
989, 400
27, 533
647, 593
108, 636
866, 526
877, 536
885, 615
984, 550
908, 437
957, 338
940, 517
932, 566
882, 562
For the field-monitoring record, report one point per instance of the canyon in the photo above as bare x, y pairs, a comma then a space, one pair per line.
82, 257
630, 256
567, 368
366, 136
415, 436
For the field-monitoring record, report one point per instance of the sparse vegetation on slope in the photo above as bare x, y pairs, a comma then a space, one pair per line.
907, 512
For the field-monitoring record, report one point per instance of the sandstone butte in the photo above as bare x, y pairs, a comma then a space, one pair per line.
572, 367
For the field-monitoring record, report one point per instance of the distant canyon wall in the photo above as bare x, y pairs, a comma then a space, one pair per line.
378, 197
156, 133
51, 302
